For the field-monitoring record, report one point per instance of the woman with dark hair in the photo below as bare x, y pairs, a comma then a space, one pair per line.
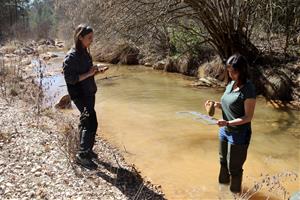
79, 74
237, 105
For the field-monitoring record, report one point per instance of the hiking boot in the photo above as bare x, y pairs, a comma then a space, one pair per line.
92, 155
85, 161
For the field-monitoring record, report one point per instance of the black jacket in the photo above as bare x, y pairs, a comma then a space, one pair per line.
75, 64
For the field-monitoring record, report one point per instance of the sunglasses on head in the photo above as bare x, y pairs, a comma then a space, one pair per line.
86, 30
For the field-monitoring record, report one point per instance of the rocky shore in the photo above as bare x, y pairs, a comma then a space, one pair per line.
37, 145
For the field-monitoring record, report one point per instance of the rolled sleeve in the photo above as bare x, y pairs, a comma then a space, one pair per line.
70, 70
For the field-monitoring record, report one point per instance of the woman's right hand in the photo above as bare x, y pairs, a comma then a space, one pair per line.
88, 74
210, 108
208, 102
92, 71
218, 105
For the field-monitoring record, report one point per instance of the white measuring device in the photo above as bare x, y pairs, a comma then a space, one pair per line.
200, 117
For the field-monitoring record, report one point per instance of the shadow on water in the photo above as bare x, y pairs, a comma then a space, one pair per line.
287, 117
130, 183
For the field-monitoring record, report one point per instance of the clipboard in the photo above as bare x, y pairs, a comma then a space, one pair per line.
206, 119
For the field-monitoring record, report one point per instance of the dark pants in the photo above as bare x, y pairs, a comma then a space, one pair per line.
88, 123
233, 153
232, 157
233, 148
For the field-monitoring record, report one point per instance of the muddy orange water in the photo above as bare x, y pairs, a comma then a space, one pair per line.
137, 112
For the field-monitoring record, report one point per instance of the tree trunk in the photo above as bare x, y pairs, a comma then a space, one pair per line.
226, 22
236, 43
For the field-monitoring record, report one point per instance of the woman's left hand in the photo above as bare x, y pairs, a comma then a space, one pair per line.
102, 69
222, 122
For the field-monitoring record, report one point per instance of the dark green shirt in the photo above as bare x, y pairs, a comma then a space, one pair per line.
233, 103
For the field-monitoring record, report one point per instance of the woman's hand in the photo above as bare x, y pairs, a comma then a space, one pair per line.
222, 122
102, 69
218, 105
208, 102
92, 71
210, 108
88, 74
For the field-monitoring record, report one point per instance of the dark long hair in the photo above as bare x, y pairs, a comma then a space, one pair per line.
81, 30
240, 64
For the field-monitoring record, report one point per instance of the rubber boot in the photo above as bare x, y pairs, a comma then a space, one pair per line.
91, 153
87, 133
224, 176
237, 155
94, 126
